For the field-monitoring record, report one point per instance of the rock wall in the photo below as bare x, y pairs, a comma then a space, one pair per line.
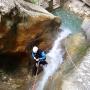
26, 26
86, 28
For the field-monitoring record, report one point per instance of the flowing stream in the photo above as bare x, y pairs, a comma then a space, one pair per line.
54, 59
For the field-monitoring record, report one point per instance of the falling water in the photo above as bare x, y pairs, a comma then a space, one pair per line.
55, 58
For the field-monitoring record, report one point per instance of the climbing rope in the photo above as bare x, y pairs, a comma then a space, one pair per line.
34, 84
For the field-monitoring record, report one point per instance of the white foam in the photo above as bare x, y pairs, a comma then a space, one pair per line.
55, 56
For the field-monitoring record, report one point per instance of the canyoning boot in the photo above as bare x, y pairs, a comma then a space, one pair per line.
43, 65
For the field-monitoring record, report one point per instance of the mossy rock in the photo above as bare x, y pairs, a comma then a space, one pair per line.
75, 47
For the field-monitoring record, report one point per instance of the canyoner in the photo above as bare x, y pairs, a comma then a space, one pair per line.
40, 59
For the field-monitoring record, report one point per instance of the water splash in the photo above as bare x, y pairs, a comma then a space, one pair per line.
55, 58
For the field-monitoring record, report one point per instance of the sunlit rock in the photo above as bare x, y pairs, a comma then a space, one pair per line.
79, 7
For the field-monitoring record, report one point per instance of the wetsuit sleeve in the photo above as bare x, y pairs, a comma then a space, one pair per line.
33, 55
43, 54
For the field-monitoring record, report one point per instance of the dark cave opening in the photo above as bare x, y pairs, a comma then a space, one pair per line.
10, 62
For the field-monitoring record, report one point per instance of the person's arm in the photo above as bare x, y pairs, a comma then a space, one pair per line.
43, 56
34, 57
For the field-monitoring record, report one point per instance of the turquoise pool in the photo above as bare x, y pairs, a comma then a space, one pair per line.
69, 20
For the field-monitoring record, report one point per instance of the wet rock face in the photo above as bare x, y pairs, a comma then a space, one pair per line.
86, 28
17, 31
22, 27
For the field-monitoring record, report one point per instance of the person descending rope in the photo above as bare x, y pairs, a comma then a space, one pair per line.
39, 56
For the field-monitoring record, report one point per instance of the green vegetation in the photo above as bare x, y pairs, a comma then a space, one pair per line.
34, 1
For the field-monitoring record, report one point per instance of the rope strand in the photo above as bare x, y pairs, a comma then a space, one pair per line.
34, 84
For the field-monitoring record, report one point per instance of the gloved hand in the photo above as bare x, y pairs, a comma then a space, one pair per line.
34, 58
37, 59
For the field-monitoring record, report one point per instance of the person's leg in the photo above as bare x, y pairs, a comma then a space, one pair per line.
34, 69
43, 63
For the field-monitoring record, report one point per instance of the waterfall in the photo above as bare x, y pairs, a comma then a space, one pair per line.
54, 59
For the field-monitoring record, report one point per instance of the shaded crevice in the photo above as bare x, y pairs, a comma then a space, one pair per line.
10, 62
